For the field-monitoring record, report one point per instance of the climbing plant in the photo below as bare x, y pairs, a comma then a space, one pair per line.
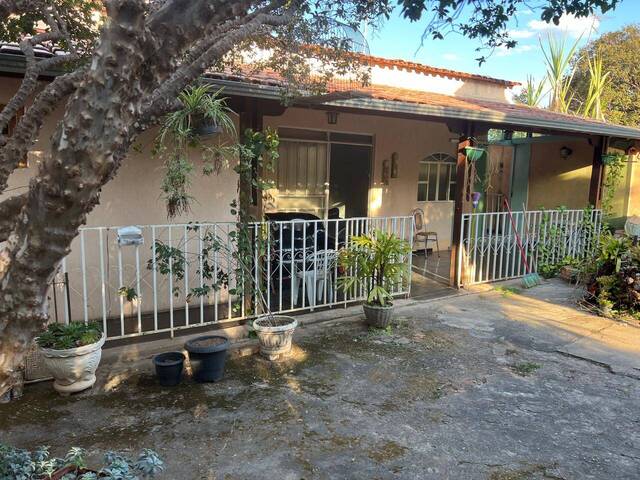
614, 172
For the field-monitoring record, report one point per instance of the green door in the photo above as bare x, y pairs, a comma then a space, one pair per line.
520, 176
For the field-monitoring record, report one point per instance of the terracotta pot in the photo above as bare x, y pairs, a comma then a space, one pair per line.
73, 370
275, 334
377, 316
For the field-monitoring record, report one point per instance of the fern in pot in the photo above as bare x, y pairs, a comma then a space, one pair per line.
377, 263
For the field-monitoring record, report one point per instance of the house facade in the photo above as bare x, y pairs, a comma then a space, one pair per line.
374, 152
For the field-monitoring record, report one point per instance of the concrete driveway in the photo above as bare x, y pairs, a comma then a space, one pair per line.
499, 385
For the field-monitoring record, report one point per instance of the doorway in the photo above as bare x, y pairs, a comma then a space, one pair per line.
349, 179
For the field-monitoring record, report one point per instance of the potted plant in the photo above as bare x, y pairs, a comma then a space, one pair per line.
274, 335
207, 355
72, 353
169, 367
375, 262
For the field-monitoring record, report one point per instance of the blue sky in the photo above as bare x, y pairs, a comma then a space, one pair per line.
398, 38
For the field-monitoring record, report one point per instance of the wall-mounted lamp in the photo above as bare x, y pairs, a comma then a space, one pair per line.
332, 118
394, 165
565, 152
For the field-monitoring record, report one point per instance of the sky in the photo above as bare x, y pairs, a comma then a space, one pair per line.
399, 38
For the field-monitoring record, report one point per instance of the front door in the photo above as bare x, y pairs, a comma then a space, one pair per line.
349, 179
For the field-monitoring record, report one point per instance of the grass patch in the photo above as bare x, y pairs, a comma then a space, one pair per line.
524, 369
507, 291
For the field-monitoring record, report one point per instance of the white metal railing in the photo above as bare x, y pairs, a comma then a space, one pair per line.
489, 250
134, 290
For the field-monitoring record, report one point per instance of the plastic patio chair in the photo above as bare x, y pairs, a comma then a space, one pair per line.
318, 271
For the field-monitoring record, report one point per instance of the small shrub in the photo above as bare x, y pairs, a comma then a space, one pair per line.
17, 464
76, 334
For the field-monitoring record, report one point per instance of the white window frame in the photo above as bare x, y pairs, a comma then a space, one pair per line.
437, 161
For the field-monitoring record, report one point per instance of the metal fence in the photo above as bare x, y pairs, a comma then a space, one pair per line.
191, 275
489, 250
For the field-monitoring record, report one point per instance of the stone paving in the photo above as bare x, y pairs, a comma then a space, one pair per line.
506, 384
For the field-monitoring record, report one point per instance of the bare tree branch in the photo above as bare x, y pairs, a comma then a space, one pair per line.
34, 68
31, 122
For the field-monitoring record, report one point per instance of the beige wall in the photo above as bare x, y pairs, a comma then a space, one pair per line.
411, 139
133, 197
555, 181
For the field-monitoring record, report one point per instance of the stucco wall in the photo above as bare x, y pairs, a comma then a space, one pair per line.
472, 88
133, 196
411, 139
555, 181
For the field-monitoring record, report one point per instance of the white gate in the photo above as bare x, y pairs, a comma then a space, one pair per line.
489, 251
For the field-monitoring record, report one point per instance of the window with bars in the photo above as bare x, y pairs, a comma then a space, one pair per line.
437, 178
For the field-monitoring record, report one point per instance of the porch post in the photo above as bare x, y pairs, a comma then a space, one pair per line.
597, 172
461, 166
250, 117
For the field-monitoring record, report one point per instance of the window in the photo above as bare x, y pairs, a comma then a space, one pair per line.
437, 178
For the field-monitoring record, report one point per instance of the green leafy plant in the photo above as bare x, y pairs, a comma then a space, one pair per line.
18, 464
598, 80
533, 92
75, 334
179, 134
614, 172
558, 57
128, 293
376, 263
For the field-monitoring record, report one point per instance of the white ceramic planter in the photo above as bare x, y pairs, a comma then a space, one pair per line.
73, 370
275, 341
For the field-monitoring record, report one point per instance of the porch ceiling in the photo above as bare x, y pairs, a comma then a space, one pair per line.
400, 101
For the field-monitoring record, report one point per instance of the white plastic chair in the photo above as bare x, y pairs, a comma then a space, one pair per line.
317, 272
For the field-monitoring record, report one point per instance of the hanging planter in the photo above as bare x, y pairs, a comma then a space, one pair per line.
205, 126
474, 153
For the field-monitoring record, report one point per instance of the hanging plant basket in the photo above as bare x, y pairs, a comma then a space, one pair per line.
474, 153
205, 127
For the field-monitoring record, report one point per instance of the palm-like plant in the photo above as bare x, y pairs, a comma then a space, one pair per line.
375, 262
598, 80
558, 57
533, 91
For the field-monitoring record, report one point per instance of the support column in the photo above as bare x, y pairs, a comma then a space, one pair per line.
250, 117
461, 198
597, 172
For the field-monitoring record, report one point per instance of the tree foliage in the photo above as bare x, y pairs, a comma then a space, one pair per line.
621, 94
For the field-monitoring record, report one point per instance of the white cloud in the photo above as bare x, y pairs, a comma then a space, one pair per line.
503, 51
569, 24
450, 56
520, 34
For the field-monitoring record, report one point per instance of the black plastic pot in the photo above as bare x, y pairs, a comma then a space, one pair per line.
169, 368
207, 355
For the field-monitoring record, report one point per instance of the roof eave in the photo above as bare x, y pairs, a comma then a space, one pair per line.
394, 106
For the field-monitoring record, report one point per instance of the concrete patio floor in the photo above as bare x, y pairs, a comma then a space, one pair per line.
498, 385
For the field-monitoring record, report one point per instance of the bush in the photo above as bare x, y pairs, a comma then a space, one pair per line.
17, 464
615, 287
76, 334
